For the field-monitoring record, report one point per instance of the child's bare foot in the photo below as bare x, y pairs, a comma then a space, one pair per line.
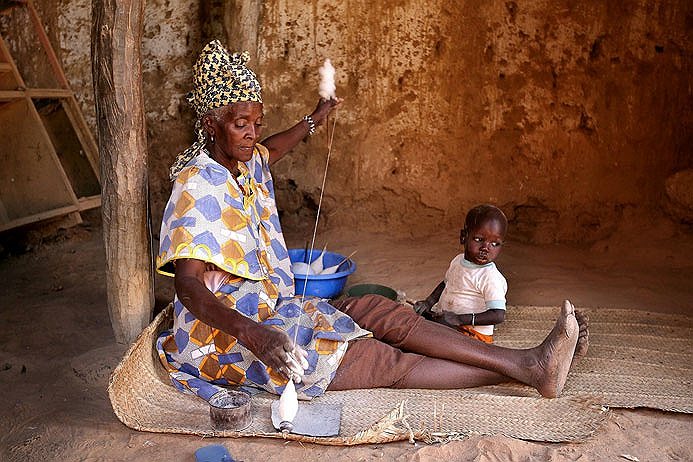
583, 342
556, 353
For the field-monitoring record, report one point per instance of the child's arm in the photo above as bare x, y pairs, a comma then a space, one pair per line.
485, 318
424, 306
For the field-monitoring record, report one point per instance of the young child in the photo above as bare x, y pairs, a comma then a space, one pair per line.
471, 299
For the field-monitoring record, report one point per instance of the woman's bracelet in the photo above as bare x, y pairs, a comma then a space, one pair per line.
311, 124
473, 316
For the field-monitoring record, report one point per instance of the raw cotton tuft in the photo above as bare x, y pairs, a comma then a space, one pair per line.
327, 86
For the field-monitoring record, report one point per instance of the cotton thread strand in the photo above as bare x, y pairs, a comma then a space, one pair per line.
317, 217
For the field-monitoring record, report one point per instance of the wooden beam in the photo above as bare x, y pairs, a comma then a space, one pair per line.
90, 202
9, 95
117, 27
39, 217
47, 47
48, 93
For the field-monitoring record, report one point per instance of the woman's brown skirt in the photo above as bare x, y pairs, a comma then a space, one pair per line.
376, 362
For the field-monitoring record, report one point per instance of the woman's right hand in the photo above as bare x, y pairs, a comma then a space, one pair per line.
272, 346
277, 350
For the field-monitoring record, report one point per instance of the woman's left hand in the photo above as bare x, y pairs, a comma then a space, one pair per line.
324, 107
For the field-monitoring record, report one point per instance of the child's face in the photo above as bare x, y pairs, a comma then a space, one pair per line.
483, 243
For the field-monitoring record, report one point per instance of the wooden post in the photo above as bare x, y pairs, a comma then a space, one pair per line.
117, 27
242, 21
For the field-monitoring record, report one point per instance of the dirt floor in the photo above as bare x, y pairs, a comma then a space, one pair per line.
57, 348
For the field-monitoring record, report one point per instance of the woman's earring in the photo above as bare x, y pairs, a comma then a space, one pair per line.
211, 138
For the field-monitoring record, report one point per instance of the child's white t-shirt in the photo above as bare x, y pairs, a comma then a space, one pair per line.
472, 288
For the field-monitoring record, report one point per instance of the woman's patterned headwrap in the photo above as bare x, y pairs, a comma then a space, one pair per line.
219, 79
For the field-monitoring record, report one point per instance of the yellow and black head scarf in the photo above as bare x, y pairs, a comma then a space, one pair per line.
219, 79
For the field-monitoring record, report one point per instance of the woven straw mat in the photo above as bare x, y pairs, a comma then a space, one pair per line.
636, 359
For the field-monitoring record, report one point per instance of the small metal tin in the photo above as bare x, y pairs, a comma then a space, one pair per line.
230, 410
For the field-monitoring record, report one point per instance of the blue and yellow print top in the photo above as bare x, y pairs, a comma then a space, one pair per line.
210, 218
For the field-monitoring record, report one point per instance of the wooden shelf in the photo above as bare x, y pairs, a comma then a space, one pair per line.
38, 217
35, 93
9, 95
86, 203
49, 157
48, 93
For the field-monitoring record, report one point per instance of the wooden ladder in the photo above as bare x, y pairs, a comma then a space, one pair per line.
50, 164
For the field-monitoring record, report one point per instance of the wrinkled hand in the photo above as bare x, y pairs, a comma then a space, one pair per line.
323, 108
277, 350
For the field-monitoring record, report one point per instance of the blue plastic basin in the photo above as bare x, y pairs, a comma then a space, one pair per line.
322, 285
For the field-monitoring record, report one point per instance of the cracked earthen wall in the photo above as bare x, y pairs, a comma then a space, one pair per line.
570, 115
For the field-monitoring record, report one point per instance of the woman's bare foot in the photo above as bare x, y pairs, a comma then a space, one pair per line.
556, 353
583, 342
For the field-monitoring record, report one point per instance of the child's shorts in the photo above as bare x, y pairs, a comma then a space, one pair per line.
471, 332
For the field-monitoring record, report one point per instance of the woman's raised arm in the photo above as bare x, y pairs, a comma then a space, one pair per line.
281, 143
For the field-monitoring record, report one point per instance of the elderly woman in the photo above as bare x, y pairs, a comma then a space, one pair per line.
238, 319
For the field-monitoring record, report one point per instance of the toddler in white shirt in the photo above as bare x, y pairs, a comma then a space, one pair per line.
471, 299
